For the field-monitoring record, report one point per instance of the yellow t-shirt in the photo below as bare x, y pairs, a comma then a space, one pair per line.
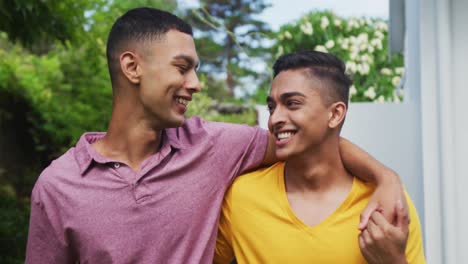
257, 225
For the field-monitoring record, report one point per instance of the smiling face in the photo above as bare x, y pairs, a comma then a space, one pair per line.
299, 119
167, 77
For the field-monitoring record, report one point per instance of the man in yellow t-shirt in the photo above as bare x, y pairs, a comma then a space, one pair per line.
306, 209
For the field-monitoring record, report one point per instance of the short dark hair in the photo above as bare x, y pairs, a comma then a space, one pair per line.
140, 25
324, 66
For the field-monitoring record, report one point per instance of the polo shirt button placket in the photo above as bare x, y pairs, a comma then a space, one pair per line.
116, 165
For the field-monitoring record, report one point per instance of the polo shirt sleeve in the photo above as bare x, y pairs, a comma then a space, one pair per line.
239, 147
224, 252
44, 244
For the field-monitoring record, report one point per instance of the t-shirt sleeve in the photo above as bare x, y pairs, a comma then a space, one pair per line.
224, 252
414, 246
239, 148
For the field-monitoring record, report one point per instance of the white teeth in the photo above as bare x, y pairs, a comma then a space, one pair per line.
284, 135
182, 101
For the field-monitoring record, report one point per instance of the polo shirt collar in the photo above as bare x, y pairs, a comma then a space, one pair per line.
85, 153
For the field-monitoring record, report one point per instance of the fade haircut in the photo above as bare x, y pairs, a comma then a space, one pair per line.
328, 68
140, 25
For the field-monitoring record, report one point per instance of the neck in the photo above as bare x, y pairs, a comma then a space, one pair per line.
131, 137
319, 169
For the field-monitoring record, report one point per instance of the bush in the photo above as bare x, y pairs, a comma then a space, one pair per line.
361, 42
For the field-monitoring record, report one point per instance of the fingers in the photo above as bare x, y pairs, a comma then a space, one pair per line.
365, 215
375, 232
379, 219
366, 237
402, 217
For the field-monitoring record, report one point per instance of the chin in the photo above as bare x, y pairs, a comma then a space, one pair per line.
175, 122
282, 154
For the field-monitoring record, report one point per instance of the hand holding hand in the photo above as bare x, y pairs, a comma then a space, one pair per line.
385, 197
382, 242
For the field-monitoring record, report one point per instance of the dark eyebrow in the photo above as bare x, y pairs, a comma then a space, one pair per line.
284, 96
189, 60
291, 94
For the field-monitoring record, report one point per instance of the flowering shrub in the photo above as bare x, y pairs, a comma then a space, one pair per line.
361, 42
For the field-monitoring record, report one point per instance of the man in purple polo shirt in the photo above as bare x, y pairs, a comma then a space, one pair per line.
150, 189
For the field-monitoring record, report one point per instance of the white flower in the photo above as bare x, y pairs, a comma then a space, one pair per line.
281, 36
324, 22
378, 34
352, 90
368, 21
386, 71
337, 22
330, 44
307, 28
361, 22
363, 46
377, 43
354, 49
353, 55
321, 48
370, 93
382, 26
366, 58
364, 68
280, 51
345, 43
352, 23
381, 99
363, 38
370, 49
396, 98
351, 67
287, 35
396, 81
399, 70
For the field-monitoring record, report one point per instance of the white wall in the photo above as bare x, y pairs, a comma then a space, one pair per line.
444, 79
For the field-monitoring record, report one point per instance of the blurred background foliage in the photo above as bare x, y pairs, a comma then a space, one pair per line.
54, 82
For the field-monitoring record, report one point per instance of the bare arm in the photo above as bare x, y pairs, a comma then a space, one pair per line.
389, 189
270, 156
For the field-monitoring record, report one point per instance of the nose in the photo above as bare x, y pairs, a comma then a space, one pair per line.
277, 119
193, 83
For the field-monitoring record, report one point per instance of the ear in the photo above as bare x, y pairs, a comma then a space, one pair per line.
337, 113
130, 66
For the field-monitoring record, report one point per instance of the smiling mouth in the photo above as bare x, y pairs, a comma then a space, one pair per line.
284, 135
181, 100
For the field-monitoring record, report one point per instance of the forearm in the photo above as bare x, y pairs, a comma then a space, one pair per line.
362, 165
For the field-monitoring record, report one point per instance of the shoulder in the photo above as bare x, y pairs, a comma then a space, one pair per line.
60, 170
257, 181
225, 135
196, 123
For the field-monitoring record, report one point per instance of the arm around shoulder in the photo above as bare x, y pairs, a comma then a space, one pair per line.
389, 189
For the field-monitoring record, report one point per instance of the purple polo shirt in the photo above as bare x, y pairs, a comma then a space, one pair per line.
92, 209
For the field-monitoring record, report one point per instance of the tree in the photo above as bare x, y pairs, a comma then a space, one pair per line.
37, 24
230, 38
